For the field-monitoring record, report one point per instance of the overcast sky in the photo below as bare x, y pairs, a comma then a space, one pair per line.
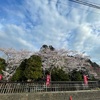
28, 24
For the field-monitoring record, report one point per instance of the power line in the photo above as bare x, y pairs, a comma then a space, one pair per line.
86, 3
63, 3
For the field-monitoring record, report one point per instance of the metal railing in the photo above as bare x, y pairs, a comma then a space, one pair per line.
25, 87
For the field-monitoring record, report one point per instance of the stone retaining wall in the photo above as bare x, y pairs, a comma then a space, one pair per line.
76, 95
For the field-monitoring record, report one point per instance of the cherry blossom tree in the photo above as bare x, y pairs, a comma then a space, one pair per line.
66, 59
13, 60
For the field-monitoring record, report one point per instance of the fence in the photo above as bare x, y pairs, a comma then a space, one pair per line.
25, 87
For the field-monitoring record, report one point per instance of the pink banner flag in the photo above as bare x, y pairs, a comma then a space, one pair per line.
1, 77
48, 80
85, 80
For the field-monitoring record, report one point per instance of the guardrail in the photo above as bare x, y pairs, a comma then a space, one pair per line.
24, 87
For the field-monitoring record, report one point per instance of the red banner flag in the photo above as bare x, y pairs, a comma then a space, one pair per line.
85, 80
48, 80
1, 77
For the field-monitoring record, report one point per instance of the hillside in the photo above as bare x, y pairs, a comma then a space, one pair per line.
68, 60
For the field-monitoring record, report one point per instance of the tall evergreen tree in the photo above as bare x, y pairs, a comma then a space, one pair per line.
29, 69
33, 68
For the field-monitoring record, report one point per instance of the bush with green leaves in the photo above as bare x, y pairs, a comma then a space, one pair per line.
58, 74
76, 75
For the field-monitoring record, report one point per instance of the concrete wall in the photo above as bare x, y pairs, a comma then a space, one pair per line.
76, 95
